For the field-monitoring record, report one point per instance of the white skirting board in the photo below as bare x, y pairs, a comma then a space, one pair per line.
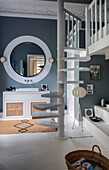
99, 133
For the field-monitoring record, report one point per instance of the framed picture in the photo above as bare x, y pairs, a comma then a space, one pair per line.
89, 88
94, 72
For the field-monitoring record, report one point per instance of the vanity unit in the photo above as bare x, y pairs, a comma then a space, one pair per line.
28, 67
18, 104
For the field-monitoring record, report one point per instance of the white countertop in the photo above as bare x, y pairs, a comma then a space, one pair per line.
103, 108
102, 112
14, 91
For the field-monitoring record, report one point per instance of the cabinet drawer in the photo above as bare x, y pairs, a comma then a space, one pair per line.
14, 109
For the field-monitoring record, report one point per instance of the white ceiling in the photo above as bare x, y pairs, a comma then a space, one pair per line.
37, 8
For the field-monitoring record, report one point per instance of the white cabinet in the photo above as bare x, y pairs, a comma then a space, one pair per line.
18, 104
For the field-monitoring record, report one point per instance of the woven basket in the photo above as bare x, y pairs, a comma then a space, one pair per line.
92, 156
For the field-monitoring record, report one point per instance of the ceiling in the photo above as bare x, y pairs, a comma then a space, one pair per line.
75, 1
46, 9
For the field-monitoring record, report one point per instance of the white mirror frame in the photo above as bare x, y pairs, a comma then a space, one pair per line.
7, 65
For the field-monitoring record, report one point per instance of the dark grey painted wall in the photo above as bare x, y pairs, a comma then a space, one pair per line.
101, 87
46, 30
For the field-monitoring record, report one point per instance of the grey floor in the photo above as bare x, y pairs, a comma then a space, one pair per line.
42, 151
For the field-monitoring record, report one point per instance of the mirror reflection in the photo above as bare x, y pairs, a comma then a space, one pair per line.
27, 59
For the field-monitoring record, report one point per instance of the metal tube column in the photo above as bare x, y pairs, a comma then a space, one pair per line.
60, 54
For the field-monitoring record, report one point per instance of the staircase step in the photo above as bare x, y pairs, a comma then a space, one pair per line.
70, 82
47, 122
46, 106
67, 49
53, 95
79, 51
80, 59
75, 69
39, 115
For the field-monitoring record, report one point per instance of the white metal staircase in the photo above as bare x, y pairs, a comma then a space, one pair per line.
97, 28
71, 46
44, 115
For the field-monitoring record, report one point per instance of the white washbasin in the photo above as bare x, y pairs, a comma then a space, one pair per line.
27, 89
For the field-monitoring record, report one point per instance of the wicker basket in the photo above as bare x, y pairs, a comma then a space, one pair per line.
92, 156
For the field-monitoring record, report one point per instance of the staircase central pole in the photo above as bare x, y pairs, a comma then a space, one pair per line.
60, 54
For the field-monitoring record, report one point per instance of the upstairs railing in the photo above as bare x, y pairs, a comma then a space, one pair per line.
72, 27
97, 21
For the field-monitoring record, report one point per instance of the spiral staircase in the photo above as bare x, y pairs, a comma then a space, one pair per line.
70, 46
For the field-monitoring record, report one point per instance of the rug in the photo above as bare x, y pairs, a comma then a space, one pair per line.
22, 126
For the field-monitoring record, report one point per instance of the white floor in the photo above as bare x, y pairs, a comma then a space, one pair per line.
42, 151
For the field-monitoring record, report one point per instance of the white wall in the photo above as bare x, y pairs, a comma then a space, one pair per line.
70, 87
72, 76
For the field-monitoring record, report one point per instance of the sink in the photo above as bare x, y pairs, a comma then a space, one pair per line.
27, 89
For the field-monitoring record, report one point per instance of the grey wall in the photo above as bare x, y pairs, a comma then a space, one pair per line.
101, 87
46, 30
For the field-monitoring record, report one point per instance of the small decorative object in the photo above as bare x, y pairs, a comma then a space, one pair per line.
44, 87
51, 60
94, 72
85, 164
107, 105
88, 112
89, 88
95, 118
11, 88
3, 59
102, 102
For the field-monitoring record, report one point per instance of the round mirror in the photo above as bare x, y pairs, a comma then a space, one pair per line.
27, 59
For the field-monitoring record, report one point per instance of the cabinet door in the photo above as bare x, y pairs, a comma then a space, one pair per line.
34, 110
14, 109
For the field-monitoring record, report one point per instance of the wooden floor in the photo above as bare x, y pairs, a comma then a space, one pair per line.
22, 126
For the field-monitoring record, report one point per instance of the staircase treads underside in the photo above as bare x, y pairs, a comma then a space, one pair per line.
70, 49
80, 59
52, 95
70, 82
47, 122
46, 106
39, 115
75, 69
75, 51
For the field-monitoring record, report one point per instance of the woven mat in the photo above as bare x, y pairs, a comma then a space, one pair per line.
22, 126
